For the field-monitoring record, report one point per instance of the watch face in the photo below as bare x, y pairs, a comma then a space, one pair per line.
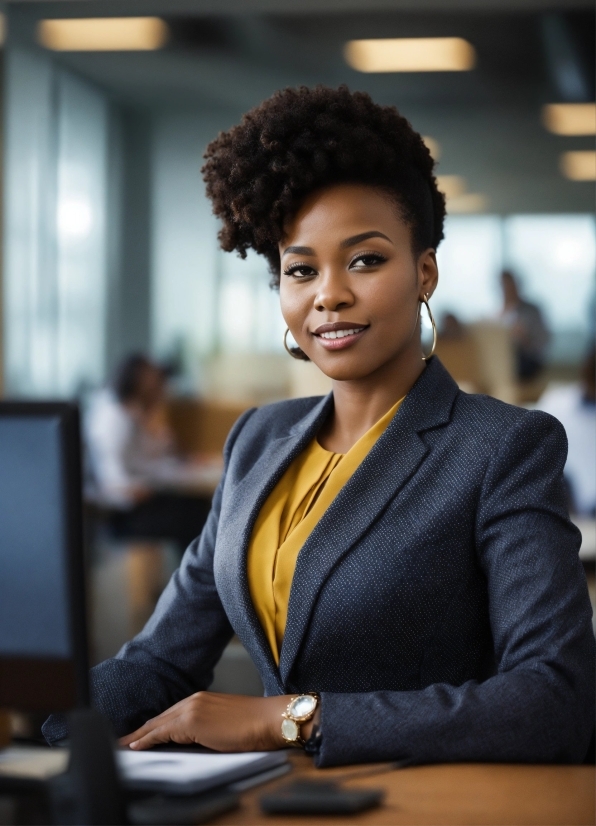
302, 707
290, 730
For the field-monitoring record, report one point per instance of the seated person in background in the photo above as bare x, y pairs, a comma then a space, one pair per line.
528, 330
574, 405
133, 459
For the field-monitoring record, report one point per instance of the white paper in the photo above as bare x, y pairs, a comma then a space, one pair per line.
191, 770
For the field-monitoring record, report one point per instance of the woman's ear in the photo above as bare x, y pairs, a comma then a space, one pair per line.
428, 272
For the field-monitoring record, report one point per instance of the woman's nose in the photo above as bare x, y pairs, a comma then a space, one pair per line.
333, 292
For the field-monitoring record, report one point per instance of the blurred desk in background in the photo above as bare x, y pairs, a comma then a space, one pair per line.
193, 479
202, 426
474, 794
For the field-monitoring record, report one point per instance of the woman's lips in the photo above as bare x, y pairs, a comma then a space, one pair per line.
344, 338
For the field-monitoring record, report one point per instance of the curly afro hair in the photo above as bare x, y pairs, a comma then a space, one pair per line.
300, 140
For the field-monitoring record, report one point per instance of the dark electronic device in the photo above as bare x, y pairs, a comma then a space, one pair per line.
167, 811
43, 636
43, 646
319, 797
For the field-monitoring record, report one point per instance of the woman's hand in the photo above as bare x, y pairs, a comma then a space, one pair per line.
224, 722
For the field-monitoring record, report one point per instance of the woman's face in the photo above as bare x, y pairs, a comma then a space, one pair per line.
350, 283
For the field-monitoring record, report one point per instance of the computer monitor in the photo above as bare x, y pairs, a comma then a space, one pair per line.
43, 640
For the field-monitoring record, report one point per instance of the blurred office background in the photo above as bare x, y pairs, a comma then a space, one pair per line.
109, 245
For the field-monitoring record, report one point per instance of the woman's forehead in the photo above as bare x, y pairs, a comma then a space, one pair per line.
347, 209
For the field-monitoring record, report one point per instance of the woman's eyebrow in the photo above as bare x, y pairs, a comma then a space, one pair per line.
299, 251
347, 242
356, 239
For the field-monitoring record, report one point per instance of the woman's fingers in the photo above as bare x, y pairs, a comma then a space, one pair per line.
161, 734
159, 720
149, 726
155, 731
135, 735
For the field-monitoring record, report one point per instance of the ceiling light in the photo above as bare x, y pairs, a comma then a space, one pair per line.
570, 118
467, 202
103, 34
579, 166
411, 54
433, 147
451, 185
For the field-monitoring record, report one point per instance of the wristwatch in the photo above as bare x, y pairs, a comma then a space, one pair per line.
299, 710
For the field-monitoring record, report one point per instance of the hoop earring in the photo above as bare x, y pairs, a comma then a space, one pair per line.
295, 352
424, 300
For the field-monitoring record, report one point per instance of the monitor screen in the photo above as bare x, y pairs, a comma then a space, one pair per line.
42, 623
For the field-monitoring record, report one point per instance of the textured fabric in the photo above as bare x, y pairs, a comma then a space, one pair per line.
439, 607
289, 515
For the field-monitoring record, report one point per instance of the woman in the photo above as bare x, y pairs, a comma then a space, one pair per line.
399, 548
134, 465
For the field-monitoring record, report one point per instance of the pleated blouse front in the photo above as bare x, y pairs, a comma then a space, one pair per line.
287, 519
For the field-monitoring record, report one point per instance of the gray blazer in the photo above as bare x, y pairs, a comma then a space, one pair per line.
439, 607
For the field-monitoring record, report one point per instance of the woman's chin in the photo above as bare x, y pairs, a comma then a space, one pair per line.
343, 369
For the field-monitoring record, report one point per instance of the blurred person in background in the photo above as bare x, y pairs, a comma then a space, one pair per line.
528, 330
135, 468
451, 328
574, 405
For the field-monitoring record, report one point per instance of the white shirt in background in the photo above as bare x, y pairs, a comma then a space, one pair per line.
565, 403
122, 455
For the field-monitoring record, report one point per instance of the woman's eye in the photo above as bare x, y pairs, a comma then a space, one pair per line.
366, 260
300, 270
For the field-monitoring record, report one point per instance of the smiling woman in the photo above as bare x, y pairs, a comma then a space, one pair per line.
396, 557
351, 296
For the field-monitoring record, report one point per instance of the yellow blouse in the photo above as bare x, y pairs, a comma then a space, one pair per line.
287, 519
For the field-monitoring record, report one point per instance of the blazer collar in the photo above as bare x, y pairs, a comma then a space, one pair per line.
240, 507
390, 464
377, 480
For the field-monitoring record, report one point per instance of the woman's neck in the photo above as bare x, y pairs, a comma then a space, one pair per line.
360, 403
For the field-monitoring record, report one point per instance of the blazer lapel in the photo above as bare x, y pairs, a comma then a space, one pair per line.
241, 504
391, 462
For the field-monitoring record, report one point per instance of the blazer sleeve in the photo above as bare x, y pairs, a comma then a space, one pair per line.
539, 705
175, 653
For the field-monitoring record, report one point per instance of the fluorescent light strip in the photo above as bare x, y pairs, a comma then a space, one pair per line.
103, 34
411, 54
579, 166
570, 118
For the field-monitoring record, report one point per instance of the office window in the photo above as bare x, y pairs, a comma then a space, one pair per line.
204, 300
250, 319
554, 257
469, 258
55, 240
185, 262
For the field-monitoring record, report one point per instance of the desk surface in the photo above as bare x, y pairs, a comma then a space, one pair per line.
450, 794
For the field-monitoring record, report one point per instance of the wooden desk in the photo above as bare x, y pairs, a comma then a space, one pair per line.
450, 794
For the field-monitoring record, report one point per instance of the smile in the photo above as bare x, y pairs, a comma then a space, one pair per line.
339, 336
340, 333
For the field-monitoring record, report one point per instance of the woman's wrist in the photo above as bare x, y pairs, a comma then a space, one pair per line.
277, 706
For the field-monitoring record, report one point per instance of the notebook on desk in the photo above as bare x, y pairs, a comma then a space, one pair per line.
191, 772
